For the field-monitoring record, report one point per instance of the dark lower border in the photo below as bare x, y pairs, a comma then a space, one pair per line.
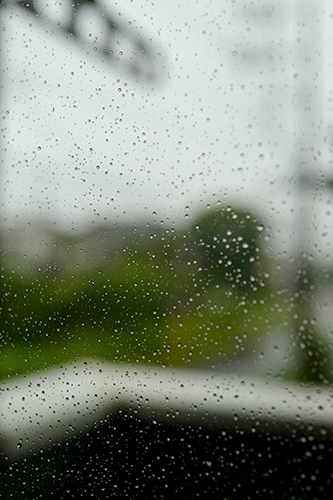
127, 458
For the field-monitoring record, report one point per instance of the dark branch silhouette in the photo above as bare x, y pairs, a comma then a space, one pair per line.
142, 62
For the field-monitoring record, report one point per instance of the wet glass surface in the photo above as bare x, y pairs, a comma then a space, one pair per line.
166, 207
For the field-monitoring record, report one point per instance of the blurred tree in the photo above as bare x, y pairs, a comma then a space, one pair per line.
228, 241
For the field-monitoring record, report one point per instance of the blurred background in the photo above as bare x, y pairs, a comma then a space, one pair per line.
166, 186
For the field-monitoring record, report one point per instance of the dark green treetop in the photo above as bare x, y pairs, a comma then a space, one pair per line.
228, 241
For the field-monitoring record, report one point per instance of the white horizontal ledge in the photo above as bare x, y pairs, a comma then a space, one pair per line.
40, 410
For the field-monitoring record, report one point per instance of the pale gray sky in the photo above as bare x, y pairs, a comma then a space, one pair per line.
85, 143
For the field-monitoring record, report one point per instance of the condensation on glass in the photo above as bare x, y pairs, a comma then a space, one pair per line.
166, 250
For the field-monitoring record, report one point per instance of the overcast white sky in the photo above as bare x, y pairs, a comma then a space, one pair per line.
84, 142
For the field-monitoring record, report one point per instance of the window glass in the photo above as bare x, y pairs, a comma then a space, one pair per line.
166, 240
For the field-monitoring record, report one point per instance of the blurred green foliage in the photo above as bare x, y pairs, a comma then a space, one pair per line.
163, 298
229, 241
